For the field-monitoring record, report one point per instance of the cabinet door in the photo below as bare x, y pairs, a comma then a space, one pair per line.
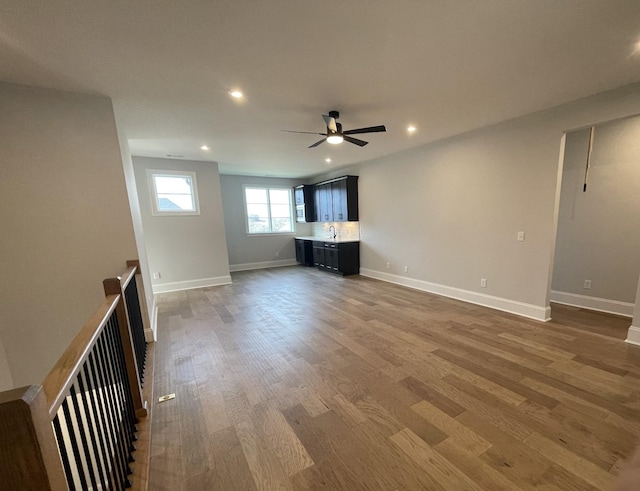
331, 259
327, 214
339, 200
324, 206
318, 256
300, 251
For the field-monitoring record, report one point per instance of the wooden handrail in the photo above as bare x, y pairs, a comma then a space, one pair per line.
89, 402
128, 274
58, 381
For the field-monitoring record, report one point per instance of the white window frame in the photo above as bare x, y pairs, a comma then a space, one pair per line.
246, 214
155, 210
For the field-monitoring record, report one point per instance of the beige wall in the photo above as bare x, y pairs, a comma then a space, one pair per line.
451, 211
136, 216
187, 251
65, 218
254, 251
599, 230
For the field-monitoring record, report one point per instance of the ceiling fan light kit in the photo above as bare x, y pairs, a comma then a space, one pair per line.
335, 135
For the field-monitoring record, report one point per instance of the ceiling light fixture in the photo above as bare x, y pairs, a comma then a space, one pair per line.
236, 94
335, 139
206, 148
411, 129
327, 160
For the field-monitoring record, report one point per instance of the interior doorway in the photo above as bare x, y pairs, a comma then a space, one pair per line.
597, 252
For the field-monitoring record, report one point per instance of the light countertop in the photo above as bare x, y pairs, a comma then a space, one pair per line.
337, 240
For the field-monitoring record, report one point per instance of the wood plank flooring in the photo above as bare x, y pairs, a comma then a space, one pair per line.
295, 379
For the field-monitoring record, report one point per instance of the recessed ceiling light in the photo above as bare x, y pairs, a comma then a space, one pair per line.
236, 94
411, 129
206, 148
327, 160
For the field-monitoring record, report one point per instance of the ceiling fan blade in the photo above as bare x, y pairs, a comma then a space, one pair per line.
317, 143
330, 122
304, 132
370, 129
360, 143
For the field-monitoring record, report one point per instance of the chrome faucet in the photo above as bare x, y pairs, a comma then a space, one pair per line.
334, 231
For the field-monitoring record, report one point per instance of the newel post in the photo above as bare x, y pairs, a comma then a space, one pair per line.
29, 456
113, 286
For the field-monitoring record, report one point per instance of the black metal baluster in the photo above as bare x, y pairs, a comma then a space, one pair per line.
94, 424
97, 367
107, 386
127, 412
64, 454
137, 327
113, 390
82, 431
74, 444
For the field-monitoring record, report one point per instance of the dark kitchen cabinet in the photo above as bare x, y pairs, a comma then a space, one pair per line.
305, 203
341, 258
318, 254
337, 200
304, 252
324, 203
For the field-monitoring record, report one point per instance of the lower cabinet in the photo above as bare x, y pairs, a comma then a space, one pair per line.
339, 258
304, 252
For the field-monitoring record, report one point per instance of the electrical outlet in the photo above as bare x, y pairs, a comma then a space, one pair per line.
520, 236
388, 265
587, 284
156, 275
277, 254
406, 269
483, 282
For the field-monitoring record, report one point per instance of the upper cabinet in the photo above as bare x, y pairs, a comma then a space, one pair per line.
305, 201
324, 208
337, 200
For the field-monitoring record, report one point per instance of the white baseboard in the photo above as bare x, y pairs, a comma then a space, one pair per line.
633, 336
262, 265
504, 304
593, 303
191, 284
151, 335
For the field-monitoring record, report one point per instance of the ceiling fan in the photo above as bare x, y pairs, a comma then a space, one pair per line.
335, 134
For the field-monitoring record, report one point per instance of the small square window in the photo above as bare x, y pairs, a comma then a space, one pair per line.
173, 192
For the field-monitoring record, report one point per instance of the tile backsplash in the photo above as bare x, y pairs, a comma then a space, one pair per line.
344, 230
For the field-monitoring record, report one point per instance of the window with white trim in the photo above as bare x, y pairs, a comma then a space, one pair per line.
268, 210
173, 192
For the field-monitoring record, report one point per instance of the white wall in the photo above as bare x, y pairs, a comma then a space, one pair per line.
634, 331
451, 211
251, 251
187, 251
66, 223
599, 230
148, 304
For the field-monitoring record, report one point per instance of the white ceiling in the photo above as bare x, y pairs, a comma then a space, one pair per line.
446, 66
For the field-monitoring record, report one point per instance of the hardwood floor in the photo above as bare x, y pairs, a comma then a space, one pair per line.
295, 379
